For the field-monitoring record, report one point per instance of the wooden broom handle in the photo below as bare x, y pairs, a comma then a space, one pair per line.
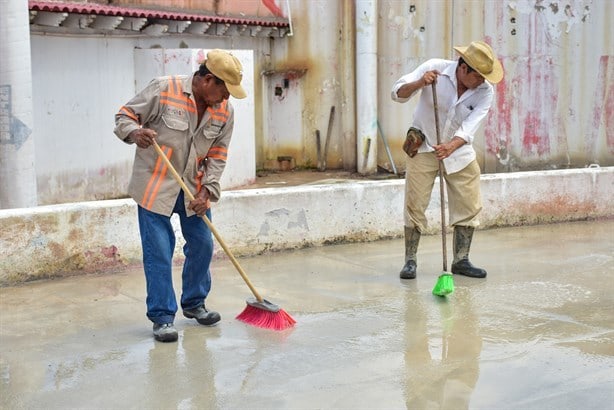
441, 184
209, 223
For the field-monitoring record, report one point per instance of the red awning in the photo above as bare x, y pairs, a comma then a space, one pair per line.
105, 10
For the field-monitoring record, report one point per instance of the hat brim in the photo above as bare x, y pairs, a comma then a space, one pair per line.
237, 91
495, 76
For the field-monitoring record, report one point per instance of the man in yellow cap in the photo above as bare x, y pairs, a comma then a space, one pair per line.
192, 120
464, 96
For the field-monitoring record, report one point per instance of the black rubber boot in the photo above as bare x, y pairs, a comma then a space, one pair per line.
412, 239
462, 243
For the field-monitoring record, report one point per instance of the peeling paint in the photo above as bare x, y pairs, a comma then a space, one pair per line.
603, 105
556, 21
278, 213
555, 78
264, 229
300, 222
405, 24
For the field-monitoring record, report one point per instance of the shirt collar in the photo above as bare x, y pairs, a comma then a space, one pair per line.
186, 85
450, 72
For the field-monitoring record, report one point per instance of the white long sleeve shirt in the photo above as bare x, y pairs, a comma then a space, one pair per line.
460, 117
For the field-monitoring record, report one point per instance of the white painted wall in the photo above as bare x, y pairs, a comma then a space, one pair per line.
79, 83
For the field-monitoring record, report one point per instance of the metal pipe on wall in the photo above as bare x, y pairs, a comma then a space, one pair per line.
348, 86
366, 86
17, 170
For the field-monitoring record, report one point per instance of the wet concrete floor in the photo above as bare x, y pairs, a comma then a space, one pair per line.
538, 333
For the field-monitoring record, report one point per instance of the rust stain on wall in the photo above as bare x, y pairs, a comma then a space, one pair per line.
552, 209
75, 235
57, 250
551, 107
603, 105
56, 240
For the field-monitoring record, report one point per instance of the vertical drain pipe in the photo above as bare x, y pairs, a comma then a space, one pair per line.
347, 74
17, 171
366, 86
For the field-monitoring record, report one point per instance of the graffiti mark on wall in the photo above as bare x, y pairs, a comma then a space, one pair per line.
498, 130
12, 130
603, 107
273, 7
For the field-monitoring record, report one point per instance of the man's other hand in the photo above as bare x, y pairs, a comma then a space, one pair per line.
201, 203
143, 137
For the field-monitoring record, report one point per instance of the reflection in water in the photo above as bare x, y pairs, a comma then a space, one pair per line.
180, 375
442, 349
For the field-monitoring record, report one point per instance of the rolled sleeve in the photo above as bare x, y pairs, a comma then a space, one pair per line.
415, 75
406, 79
468, 138
138, 111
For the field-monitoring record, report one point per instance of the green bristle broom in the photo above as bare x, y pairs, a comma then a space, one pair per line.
445, 282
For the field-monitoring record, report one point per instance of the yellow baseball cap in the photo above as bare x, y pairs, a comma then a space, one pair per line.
227, 68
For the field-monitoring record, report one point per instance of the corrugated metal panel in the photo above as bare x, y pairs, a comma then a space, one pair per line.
555, 106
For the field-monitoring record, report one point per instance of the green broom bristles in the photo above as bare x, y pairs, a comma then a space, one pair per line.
444, 285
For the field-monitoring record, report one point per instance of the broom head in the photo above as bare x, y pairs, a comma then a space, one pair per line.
444, 285
266, 315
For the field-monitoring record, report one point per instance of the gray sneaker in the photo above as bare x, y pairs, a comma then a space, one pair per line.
202, 315
164, 332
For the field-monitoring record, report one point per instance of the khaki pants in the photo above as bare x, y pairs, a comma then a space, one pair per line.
463, 192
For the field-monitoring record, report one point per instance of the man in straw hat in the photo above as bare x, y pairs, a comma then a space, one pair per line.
191, 119
464, 96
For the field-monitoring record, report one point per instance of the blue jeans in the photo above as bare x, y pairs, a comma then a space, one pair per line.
158, 242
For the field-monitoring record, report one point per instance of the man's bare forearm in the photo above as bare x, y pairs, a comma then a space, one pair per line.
408, 89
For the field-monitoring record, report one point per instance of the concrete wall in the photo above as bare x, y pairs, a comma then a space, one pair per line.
100, 236
79, 85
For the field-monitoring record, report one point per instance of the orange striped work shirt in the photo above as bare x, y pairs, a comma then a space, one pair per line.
197, 151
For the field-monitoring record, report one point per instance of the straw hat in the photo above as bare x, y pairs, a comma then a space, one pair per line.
479, 56
227, 68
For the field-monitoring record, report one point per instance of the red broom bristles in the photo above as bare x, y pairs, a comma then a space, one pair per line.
266, 319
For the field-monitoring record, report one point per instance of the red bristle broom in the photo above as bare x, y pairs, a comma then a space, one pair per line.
259, 312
